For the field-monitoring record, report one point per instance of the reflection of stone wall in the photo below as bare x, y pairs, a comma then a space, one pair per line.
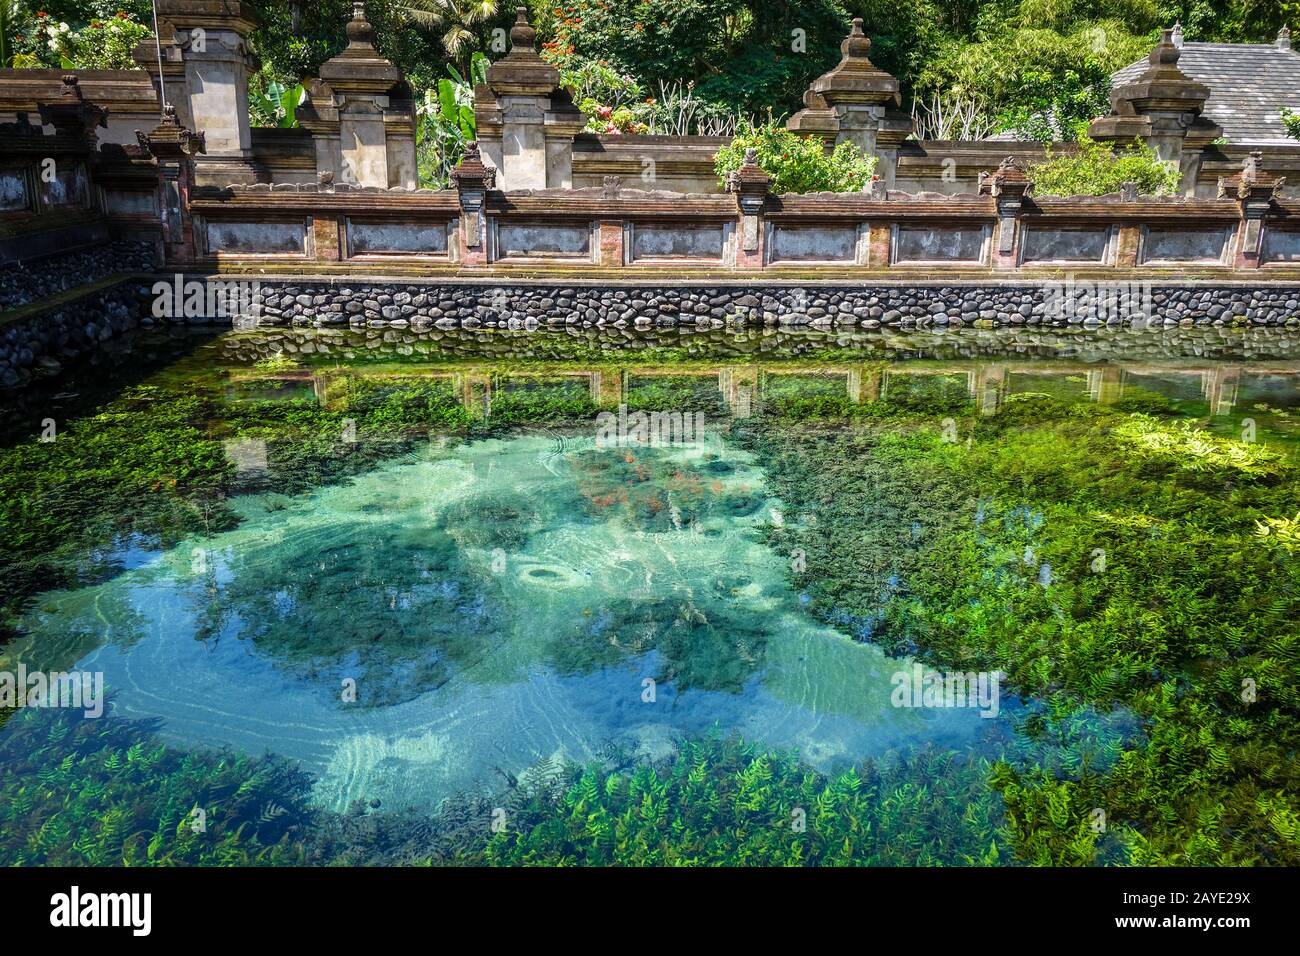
22, 283
42, 342
724, 346
483, 305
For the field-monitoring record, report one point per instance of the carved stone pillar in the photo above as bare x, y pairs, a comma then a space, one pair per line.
362, 99
1010, 186
472, 180
525, 121
1254, 189
750, 185
857, 102
210, 37
174, 147
1162, 107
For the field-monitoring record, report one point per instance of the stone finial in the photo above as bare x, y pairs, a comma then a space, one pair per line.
1011, 179
360, 68
750, 183
1283, 41
471, 172
1157, 102
855, 79
1167, 50
522, 34
857, 43
522, 71
359, 29
1252, 182
169, 140
70, 113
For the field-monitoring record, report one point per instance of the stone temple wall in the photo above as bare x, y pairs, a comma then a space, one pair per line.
1039, 304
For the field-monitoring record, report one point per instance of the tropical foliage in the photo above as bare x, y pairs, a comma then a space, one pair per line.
38, 39
455, 22
272, 103
446, 122
1291, 120
1095, 169
798, 164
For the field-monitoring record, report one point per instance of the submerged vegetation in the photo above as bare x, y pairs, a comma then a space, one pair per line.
1130, 568
1099, 558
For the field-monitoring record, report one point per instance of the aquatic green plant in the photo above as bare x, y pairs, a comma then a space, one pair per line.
1190, 447
1096, 557
1285, 531
720, 802
76, 791
144, 466
98, 792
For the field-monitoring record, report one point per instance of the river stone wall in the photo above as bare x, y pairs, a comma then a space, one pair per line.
25, 282
446, 305
43, 342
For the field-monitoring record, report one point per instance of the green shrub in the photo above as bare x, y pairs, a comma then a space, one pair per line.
1094, 169
1291, 120
798, 164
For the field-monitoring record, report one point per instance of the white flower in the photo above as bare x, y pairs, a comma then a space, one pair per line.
64, 28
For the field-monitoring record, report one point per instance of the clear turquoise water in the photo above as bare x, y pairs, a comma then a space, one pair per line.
494, 611
500, 600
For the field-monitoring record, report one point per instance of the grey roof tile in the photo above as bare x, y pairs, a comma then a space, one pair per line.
1249, 85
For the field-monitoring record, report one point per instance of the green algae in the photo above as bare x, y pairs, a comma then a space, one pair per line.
1160, 599
912, 541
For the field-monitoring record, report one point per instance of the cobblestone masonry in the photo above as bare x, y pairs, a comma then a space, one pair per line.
893, 306
22, 283
42, 341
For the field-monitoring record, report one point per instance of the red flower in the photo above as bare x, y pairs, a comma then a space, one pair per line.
605, 112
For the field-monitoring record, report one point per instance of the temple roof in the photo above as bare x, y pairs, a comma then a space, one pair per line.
1249, 85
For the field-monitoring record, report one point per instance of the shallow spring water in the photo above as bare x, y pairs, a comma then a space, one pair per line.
507, 586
